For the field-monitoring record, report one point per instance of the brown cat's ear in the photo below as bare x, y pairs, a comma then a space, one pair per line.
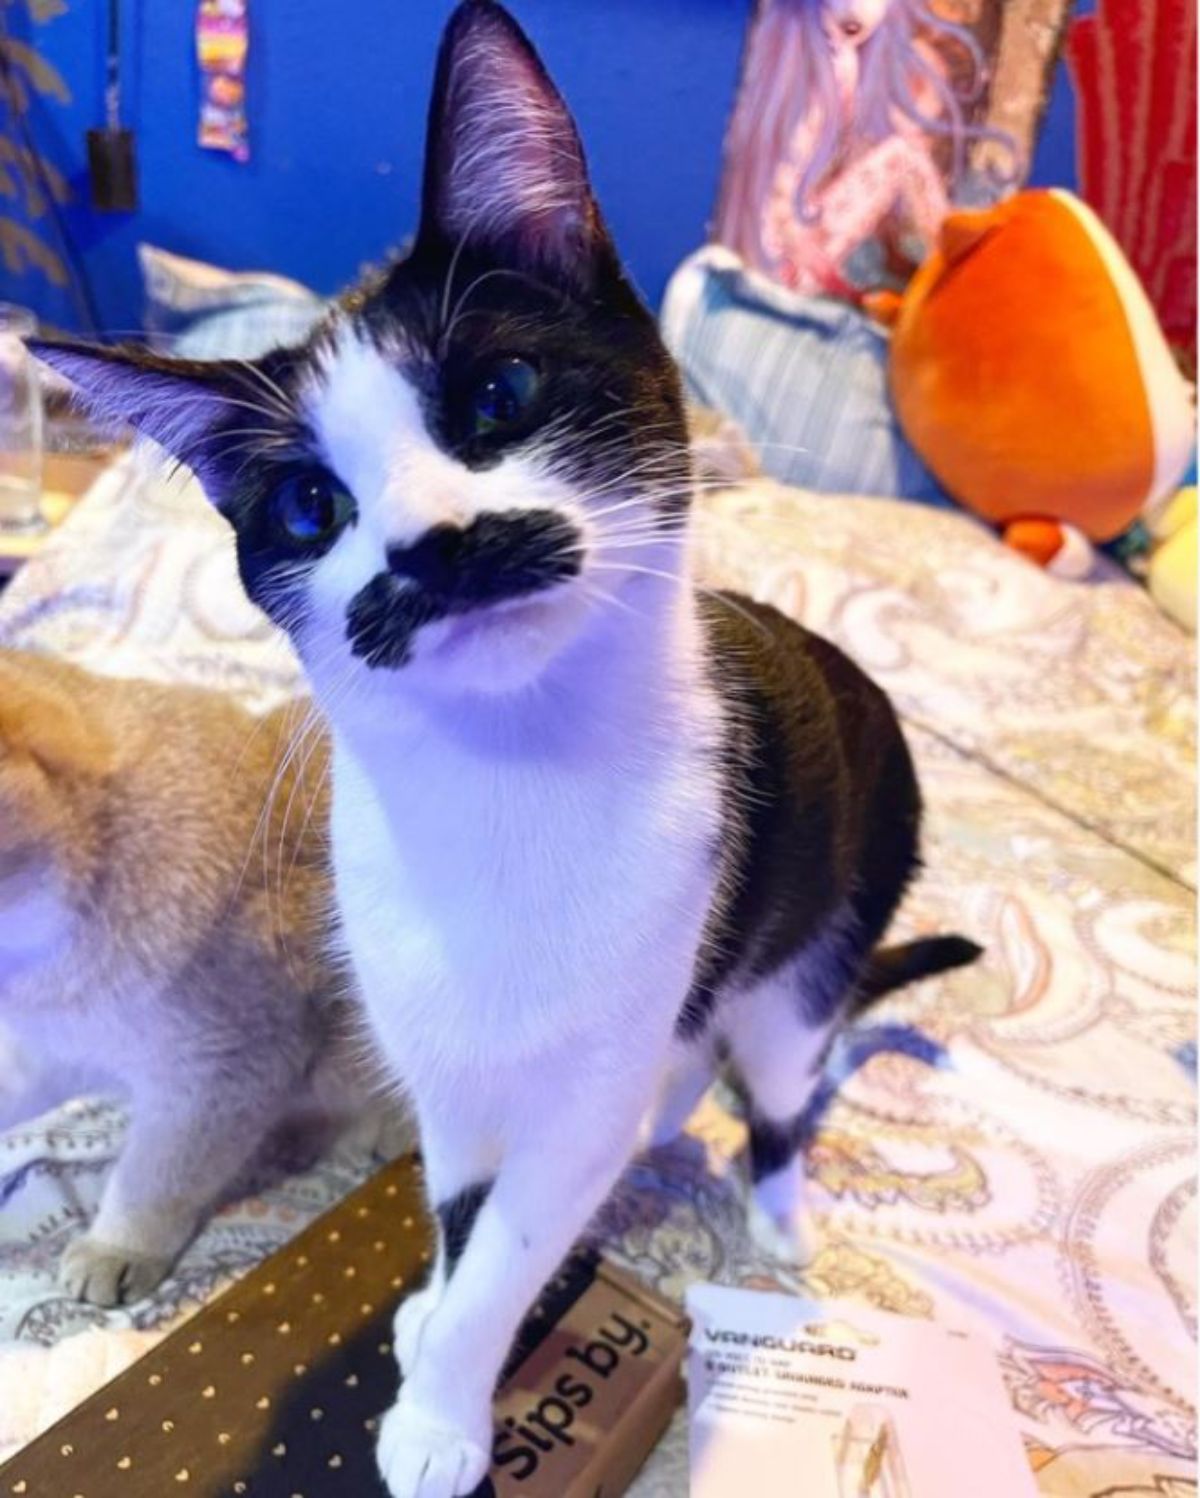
504, 167
177, 403
40, 721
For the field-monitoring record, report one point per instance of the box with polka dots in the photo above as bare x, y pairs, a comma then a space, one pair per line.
275, 1389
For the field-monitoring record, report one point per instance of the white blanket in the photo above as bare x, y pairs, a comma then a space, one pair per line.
1037, 1184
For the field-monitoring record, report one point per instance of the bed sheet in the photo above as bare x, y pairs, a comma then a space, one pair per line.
1009, 1148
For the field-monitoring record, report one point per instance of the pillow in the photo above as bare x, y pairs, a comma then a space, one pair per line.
200, 311
805, 378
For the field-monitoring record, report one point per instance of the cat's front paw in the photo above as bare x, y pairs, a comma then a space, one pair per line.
105, 1275
780, 1220
421, 1456
395, 1133
409, 1323
16, 1105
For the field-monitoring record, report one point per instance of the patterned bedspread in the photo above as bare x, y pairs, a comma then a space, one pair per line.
1009, 1149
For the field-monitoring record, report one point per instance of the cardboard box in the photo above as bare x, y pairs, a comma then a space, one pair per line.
274, 1390
587, 1405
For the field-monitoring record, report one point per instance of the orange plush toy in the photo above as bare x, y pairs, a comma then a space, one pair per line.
1029, 372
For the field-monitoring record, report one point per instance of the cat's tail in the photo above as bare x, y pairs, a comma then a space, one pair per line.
890, 968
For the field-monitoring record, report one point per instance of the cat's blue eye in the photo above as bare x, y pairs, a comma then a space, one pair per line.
311, 506
503, 396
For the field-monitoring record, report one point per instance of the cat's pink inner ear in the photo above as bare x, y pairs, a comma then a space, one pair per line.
506, 161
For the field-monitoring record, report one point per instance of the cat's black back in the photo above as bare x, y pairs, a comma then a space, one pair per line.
821, 810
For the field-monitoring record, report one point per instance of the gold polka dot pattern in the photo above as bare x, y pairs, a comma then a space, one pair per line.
273, 1390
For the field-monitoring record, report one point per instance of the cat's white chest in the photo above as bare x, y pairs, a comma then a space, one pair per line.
495, 911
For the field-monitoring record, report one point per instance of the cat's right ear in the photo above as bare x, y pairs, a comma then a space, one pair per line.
504, 167
179, 404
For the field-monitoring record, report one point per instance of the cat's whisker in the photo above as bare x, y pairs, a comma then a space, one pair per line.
279, 397
647, 482
584, 435
448, 284
639, 499
653, 495
256, 407
649, 545
725, 599
282, 733
318, 795
665, 531
316, 730
309, 711
315, 737
260, 723
656, 523
272, 432
665, 457
603, 596
496, 272
313, 724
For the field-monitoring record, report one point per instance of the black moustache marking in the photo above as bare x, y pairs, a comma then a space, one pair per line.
450, 571
497, 556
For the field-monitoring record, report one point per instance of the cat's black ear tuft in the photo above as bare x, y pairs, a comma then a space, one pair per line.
503, 164
176, 403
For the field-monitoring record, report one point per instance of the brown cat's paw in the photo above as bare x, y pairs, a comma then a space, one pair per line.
105, 1275
395, 1134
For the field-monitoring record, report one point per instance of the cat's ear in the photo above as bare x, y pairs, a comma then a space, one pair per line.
504, 168
177, 403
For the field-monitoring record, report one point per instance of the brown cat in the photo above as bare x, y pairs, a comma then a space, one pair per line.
164, 898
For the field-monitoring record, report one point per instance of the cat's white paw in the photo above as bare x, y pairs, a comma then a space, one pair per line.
16, 1084
791, 1240
423, 1457
106, 1275
384, 1130
409, 1323
779, 1219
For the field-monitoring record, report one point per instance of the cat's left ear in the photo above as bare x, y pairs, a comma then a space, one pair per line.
180, 404
504, 167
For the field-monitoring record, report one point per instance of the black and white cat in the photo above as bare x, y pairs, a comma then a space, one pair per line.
591, 831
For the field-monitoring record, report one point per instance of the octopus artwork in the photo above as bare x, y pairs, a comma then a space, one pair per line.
858, 124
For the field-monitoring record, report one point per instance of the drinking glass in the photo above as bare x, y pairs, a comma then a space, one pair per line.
20, 424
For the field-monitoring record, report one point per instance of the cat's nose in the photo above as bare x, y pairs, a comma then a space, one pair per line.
432, 562
499, 555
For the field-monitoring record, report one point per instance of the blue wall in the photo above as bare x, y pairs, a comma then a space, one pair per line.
337, 118
337, 100
1054, 161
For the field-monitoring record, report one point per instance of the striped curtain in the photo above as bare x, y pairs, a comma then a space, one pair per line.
1133, 66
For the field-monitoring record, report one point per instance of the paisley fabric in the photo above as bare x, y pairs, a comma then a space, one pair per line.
1009, 1149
